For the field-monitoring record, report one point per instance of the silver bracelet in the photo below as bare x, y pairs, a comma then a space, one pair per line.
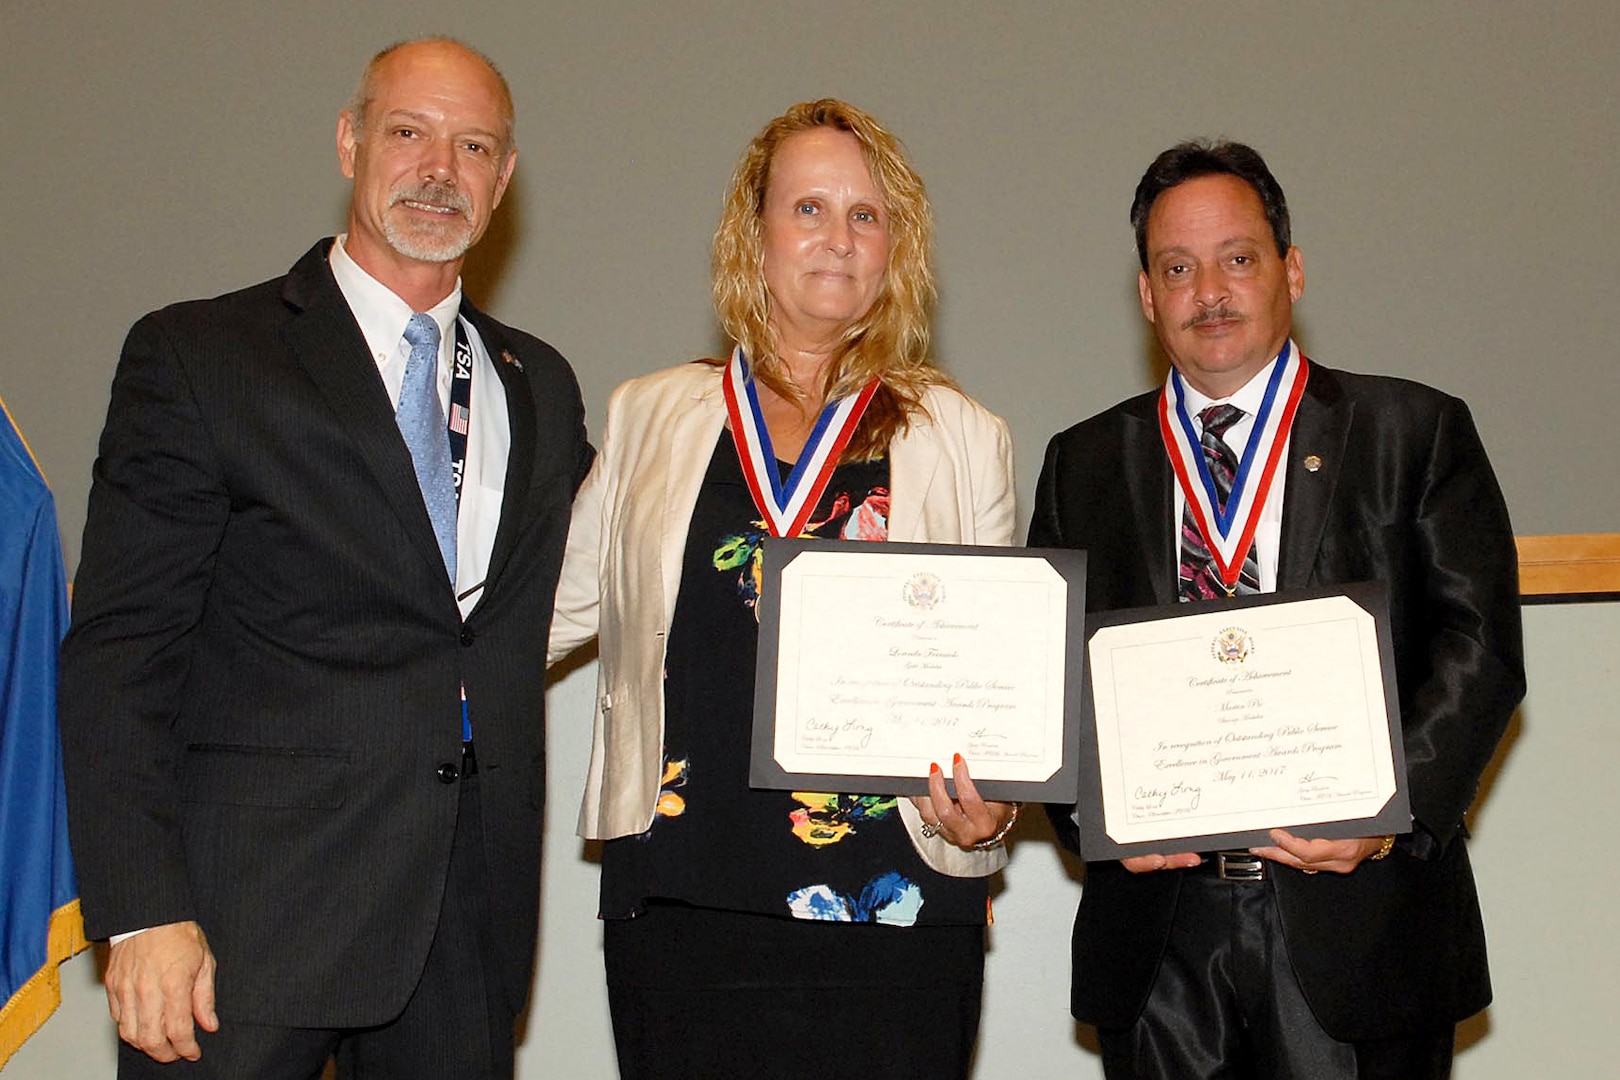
1001, 833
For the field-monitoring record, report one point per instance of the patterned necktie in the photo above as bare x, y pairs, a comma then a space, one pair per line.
421, 422
1198, 578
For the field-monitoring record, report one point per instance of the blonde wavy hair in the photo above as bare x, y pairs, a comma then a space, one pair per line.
891, 341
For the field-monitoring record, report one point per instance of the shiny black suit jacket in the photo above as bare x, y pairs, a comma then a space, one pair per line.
260, 688
1403, 494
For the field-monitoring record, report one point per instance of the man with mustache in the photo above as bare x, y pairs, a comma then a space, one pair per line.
302, 697
1331, 959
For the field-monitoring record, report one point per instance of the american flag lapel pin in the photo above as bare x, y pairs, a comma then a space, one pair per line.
506, 354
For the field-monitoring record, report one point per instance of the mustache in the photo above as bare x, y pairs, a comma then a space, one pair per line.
1215, 314
434, 195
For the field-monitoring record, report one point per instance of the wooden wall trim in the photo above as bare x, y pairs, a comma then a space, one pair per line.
1569, 564
1573, 564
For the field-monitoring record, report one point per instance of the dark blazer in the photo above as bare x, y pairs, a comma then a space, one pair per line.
260, 689
1404, 495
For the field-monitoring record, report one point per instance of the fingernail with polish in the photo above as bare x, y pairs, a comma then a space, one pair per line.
957, 761
934, 768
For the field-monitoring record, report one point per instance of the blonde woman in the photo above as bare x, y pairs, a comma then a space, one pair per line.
761, 933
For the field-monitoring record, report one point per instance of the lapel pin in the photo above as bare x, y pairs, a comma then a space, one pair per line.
1312, 463
506, 354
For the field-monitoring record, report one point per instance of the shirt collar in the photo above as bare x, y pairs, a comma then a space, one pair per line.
1249, 397
382, 315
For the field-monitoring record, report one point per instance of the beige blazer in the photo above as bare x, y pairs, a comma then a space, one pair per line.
951, 481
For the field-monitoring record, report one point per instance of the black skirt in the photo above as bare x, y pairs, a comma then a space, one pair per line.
696, 992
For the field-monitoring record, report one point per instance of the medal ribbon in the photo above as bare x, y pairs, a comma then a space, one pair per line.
787, 505
1229, 533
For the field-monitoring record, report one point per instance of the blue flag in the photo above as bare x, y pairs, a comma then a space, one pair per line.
39, 906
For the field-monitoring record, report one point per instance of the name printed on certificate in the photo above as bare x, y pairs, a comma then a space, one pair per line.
1241, 719
888, 662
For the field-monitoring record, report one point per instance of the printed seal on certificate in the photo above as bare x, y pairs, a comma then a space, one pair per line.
924, 591
1231, 646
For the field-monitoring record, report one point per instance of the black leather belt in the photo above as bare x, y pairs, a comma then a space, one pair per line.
1232, 866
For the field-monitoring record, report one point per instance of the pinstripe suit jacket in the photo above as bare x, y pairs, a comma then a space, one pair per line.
262, 677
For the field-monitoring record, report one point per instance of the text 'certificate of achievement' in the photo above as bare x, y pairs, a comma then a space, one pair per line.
878, 659
1216, 722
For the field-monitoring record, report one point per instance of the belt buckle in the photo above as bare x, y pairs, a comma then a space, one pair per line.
1240, 866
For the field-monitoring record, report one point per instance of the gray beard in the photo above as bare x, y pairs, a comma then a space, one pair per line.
425, 241
425, 246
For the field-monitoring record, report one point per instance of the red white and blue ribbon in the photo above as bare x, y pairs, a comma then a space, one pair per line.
1229, 533
787, 504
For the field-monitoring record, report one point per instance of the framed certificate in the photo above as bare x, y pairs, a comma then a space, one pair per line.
878, 659
1212, 723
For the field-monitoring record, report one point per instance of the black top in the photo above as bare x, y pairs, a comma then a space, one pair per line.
715, 842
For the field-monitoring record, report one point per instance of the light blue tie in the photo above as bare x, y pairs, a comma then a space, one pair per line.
421, 421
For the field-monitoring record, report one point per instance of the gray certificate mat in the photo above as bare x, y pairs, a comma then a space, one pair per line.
877, 659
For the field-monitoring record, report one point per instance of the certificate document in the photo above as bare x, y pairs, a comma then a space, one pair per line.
879, 659
1217, 722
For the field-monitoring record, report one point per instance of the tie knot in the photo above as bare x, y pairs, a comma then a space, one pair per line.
422, 332
1218, 418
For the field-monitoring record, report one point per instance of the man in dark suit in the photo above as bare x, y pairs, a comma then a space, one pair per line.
1306, 957
306, 597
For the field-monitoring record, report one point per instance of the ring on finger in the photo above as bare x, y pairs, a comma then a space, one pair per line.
931, 829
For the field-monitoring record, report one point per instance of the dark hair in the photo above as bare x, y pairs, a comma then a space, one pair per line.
1201, 157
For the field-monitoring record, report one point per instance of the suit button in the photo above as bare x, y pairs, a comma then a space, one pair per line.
448, 773
466, 636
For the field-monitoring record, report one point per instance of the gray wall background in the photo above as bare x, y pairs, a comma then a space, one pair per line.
1451, 169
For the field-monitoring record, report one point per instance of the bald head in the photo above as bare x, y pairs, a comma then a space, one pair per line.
428, 50
428, 145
